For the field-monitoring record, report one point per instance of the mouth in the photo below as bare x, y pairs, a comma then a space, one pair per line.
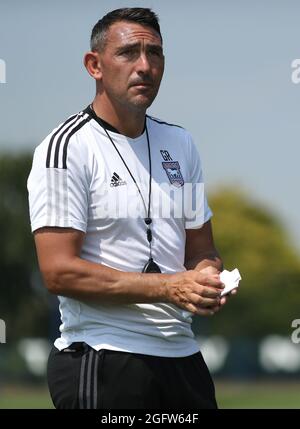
142, 85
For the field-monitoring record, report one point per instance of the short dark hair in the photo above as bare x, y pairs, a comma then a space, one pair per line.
140, 15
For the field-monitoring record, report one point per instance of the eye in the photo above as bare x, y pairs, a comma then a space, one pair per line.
156, 52
129, 53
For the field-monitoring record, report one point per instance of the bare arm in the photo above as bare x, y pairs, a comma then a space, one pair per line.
66, 274
200, 251
201, 254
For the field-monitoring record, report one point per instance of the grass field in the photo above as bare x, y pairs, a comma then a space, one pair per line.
258, 394
229, 395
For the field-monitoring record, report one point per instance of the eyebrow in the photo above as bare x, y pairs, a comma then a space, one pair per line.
137, 45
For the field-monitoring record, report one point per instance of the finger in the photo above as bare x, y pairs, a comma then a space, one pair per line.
204, 312
223, 301
210, 280
210, 292
231, 293
208, 311
202, 302
227, 296
215, 309
199, 311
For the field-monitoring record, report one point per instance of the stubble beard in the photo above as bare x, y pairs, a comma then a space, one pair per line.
136, 105
141, 102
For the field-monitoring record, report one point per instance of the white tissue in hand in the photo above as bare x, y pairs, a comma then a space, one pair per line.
230, 279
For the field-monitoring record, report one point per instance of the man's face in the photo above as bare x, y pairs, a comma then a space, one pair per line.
132, 64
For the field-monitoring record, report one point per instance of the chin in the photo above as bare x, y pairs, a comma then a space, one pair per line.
142, 101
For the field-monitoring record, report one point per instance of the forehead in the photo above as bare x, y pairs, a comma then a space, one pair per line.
124, 32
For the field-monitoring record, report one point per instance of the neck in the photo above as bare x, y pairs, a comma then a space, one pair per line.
128, 122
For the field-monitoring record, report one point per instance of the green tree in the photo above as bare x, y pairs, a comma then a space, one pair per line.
23, 303
253, 240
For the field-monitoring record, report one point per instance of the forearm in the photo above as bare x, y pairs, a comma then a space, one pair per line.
94, 283
88, 281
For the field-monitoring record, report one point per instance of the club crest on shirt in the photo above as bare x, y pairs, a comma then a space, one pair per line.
172, 169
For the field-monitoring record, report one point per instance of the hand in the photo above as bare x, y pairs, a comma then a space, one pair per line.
213, 270
194, 291
227, 296
209, 270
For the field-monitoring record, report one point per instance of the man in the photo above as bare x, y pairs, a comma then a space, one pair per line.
127, 284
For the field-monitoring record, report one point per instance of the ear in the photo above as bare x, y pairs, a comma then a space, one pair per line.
91, 61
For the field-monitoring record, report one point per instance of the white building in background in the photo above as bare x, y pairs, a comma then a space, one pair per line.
35, 352
215, 350
279, 354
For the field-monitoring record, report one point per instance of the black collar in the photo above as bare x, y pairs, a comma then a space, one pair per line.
103, 123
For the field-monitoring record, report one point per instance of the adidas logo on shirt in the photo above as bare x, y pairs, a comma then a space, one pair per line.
117, 181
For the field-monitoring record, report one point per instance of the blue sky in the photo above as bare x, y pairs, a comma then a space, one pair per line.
227, 80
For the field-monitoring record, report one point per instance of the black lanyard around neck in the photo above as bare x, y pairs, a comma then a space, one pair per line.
150, 266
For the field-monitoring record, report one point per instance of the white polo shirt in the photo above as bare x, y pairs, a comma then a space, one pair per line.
79, 181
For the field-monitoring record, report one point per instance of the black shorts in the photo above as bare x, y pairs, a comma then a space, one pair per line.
81, 377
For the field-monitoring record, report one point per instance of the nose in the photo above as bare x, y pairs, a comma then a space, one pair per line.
143, 64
